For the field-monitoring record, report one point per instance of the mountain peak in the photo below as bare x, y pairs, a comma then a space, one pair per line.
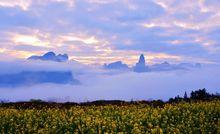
141, 59
51, 56
141, 65
117, 65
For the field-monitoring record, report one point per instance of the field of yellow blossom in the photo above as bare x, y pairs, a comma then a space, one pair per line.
194, 118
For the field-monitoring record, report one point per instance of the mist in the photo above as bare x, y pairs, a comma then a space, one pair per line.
97, 83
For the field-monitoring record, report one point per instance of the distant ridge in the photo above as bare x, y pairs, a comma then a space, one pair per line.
39, 77
117, 65
50, 56
141, 66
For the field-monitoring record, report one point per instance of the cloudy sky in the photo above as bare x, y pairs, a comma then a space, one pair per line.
98, 31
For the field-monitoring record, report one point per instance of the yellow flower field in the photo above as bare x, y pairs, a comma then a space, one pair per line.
194, 118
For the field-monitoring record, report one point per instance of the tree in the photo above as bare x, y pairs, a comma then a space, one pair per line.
200, 94
185, 96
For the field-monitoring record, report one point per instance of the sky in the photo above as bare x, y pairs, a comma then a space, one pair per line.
103, 31
94, 32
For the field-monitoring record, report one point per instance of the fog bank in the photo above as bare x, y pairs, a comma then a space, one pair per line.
97, 83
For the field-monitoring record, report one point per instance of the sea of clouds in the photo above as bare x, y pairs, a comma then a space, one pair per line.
97, 83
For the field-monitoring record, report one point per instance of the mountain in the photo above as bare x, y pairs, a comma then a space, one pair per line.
51, 56
116, 65
32, 78
165, 66
141, 65
189, 65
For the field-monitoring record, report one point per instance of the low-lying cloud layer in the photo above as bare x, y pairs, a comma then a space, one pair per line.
97, 83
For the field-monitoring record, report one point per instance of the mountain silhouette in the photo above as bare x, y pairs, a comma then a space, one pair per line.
39, 77
117, 65
50, 56
141, 65
165, 66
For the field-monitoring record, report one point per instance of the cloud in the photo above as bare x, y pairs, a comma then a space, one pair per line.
29, 48
31, 40
99, 84
24, 4
103, 29
16, 66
